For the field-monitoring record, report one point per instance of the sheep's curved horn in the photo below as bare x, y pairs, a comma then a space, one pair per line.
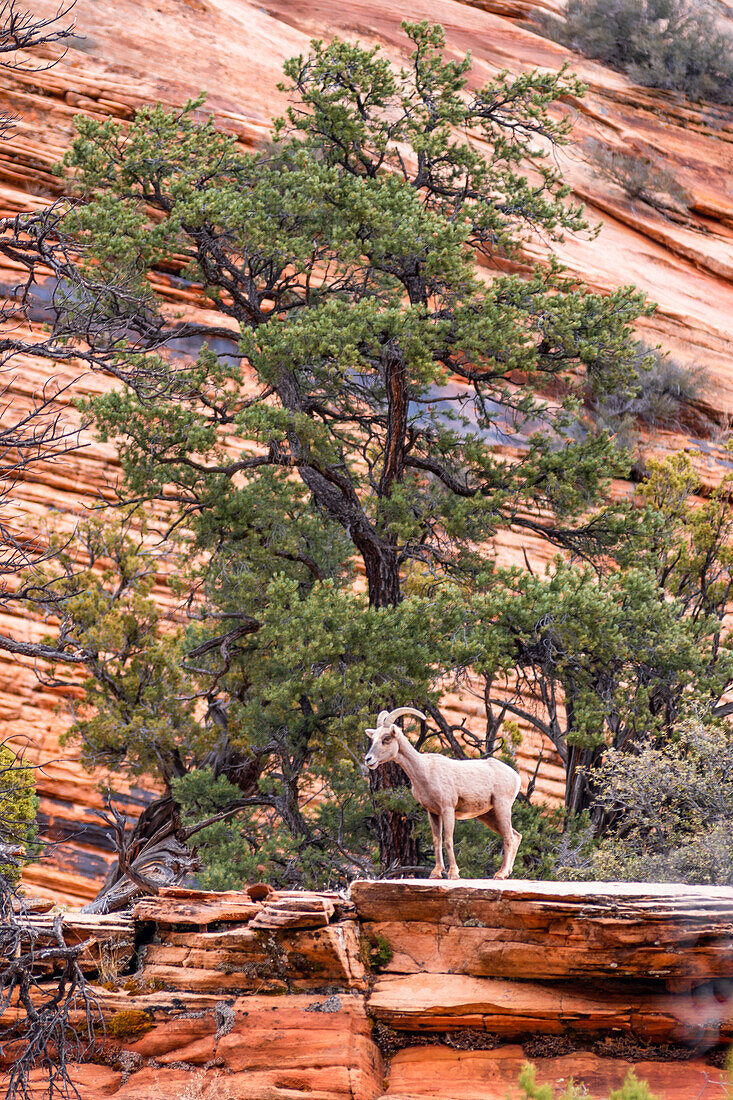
406, 710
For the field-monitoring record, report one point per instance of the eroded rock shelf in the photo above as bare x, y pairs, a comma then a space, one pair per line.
406, 990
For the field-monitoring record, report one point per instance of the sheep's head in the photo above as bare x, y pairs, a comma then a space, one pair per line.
385, 744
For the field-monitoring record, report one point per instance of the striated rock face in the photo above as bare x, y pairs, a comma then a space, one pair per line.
234, 945
552, 930
235, 995
127, 55
492, 1075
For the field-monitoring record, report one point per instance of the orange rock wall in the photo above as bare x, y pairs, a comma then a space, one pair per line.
127, 55
239, 995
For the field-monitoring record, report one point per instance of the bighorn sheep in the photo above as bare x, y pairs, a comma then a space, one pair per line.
450, 789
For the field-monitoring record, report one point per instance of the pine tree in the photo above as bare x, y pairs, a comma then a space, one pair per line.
378, 378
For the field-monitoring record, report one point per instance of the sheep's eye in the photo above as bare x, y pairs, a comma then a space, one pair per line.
387, 737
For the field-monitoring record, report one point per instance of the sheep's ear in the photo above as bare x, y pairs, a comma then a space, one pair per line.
372, 733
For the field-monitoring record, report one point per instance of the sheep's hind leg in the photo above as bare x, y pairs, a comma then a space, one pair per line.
449, 822
436, 826
511, 839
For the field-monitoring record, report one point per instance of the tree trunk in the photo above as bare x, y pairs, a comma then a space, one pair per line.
581, 764
337, 496
382, 572
166, 860
397, 846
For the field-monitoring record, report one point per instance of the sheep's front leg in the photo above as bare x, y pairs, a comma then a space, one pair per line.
449, 823
436, 826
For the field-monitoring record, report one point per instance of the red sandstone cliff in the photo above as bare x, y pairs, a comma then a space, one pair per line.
404, 991
128, 54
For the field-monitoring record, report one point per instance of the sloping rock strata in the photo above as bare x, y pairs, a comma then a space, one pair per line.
264, 994
235, 51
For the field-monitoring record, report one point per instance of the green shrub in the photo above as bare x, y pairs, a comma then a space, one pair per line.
665, 395
256, 844
376, 951
18, 808
632, 1088
671, 808
674, 44
637, 175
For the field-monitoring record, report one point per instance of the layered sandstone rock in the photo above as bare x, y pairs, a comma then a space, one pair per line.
216, 990
492, 1075
274, 1048
127, 55
229, 943
552, 930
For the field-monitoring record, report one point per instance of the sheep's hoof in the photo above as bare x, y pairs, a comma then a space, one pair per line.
501, 874
437, 872
454, 874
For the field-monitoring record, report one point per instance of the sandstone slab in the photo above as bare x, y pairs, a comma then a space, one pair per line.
91, 1082
318, 1046
109, 939
436, 1073
551, 930
443, 1002
227, 906
238, 958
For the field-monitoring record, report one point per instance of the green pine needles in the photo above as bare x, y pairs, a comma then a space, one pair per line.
344, 258
334, 445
